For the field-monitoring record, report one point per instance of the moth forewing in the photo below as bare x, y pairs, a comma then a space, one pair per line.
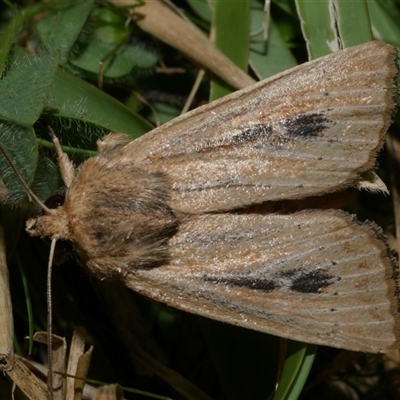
317, 125
321, 277
311, 276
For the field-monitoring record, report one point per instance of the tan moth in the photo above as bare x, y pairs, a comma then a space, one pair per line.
167, 213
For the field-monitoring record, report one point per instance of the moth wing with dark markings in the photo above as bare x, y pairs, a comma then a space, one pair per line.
318, 277
318, 125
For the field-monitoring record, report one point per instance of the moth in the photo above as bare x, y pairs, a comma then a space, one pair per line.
170, 214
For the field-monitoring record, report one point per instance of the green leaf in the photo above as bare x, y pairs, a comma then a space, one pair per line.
19, 142
23, 92
120, 64
267, 58
62, 26
202, 9
74, 99
12, 30
25, 88
109, 44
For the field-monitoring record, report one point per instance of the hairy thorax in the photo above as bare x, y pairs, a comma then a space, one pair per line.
115, 223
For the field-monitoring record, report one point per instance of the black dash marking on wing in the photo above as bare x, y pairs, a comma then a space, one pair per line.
256, 132
264, 285
306, 125
307, 282
295, 280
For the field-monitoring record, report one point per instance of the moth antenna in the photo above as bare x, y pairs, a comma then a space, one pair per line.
64, 163
50, 320
24, 184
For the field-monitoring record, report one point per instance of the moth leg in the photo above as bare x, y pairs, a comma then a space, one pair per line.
67, 169
110, 144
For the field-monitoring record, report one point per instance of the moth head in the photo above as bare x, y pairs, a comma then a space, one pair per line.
53, 224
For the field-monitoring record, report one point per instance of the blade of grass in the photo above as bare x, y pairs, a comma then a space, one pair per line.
299, 360
231, 22
353, 22
385, 22
331, 25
